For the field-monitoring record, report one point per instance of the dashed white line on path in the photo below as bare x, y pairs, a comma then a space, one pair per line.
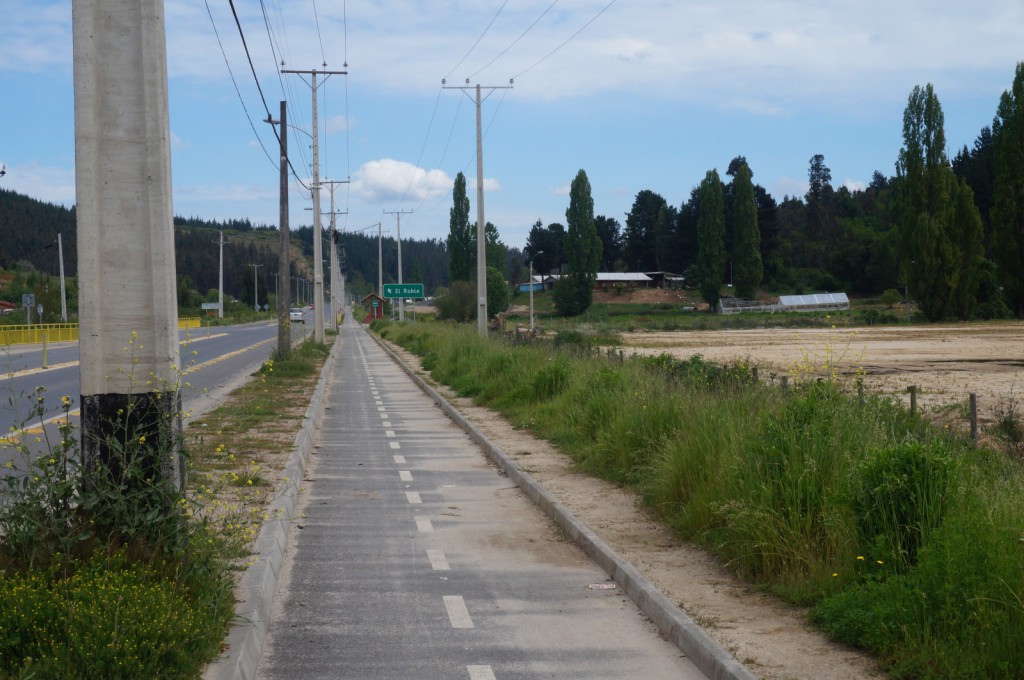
457, 612
414, 498
423, 525
480, 673
437, 560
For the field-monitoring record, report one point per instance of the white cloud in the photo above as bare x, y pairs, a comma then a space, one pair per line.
388, 181
562, 190
45, 183
340, 124
854, 184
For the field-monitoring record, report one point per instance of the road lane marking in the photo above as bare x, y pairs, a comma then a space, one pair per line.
405, 475
424, 526
400, 459
457, 612
381, 409
480, 673
395, 445
389, 433
413, 497
437, 560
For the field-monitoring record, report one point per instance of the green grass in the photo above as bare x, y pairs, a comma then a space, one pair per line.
903, 539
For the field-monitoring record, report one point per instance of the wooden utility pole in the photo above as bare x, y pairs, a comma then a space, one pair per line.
284, 280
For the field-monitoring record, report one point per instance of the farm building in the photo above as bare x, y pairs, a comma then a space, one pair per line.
817, 302
609, 280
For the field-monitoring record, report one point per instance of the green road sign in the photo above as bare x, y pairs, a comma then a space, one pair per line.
403, 290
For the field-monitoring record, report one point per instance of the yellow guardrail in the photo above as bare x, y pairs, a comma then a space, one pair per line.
62, 332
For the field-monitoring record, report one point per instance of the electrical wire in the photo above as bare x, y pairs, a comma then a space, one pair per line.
319, 36
235, 83
513, 43
567, 41
477, 40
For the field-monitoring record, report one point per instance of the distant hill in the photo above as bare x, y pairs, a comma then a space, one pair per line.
29, 228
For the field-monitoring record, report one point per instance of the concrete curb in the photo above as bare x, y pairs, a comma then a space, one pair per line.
709, 656
256, 589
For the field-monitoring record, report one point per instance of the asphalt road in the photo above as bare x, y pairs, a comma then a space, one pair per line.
414, 557
214, 361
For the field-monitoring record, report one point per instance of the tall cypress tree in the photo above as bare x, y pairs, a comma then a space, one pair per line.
711, 239
930, 244
1007, 214
747, 270
574, 292
461, 240
969, 227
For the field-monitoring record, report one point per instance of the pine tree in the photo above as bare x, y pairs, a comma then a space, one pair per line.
711, 239
747, 270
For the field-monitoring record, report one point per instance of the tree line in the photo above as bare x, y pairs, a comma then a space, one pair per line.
948, 233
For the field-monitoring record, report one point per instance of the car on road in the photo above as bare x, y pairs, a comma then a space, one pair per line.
297, 315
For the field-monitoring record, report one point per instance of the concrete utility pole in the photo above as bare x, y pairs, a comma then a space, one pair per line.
284, 292
401, 301
337, 282
130, 399
255, 287
481, 245
63, 290
220, 276
318, 265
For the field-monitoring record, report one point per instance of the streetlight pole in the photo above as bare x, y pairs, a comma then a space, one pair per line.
539, 252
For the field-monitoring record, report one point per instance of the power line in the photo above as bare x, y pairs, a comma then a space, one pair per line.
319, 36
235, 82
567, 41
477, 40
513, 43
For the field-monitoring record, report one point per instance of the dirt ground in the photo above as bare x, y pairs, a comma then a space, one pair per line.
946, 363
772, 639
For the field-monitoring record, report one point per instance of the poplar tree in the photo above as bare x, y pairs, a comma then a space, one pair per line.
574, 291
711, 239
747, 270
1007, 216
928, 228
461, 239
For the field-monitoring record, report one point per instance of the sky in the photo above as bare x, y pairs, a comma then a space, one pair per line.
640, 94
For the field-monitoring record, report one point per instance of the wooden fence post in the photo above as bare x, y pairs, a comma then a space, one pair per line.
974, 418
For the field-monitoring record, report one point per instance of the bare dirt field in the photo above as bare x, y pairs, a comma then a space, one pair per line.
947, 363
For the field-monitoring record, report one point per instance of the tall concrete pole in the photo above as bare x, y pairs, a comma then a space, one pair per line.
255, 287
318, 263
380, 261
481, 245
337, 283
128, 312
63, 290
401, 301
220, 276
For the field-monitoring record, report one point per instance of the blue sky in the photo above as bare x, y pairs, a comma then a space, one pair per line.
651, 94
